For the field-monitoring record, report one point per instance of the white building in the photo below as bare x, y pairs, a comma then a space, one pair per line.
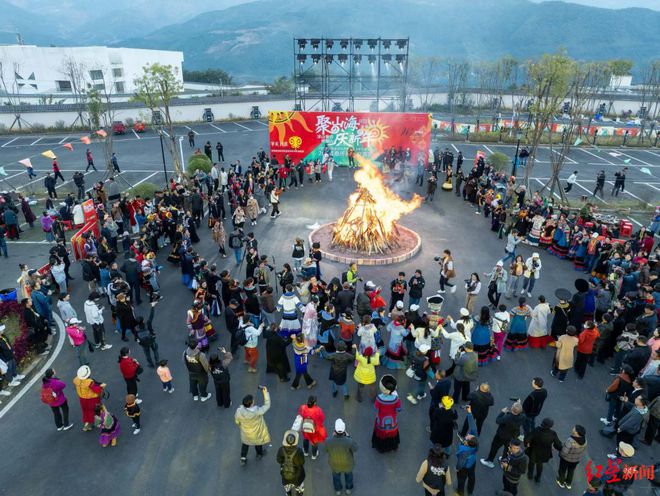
30, 70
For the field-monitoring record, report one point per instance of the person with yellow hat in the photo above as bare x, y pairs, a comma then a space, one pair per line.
443, 423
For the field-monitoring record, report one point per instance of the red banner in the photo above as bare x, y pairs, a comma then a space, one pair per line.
89, 210
305, 136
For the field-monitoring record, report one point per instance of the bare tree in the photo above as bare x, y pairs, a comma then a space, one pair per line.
425, 73
457, 76
12, 92
586, 84
75, 71
650, 95
101, 111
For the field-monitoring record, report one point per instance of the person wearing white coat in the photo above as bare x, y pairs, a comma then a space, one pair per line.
532, 273
538, 326
94, 318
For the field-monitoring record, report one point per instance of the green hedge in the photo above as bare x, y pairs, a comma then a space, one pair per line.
145, 190
199, 161
499, 160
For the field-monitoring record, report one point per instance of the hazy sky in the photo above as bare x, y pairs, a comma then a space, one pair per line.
617, 4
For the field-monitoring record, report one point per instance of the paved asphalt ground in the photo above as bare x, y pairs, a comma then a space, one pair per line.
188, 447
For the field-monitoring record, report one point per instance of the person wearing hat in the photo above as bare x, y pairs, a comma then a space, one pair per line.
532, 273
89, 394
433, 473
497, 283
385, 436
443, 423
78, 339
416, 285
618, 486
292, 464
576, 315
417, 371
561, 313
341, 449
539, 444
572, 452
466, 370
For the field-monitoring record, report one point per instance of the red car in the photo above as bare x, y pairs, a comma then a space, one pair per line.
138, 127
118, 128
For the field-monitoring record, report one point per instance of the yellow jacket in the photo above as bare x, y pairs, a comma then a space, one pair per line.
365, 372
87, 388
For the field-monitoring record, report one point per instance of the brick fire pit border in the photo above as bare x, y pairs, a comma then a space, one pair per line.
324, 233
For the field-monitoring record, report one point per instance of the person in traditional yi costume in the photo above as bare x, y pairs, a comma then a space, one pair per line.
561, 313
601, 268
482, 338
538, 326
395, 353
517, 337
289, 304
108, 425
579, 249
385, 436
310, 323
277, 360
199, 325
547, 233
534, 234
252, 210
561, 238
591, 253
521, 224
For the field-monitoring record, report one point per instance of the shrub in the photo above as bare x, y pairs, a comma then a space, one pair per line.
499, 161
145, 190
199, 161
37, 126
16, 332
59, 124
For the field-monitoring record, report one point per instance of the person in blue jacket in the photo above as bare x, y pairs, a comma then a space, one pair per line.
466, 457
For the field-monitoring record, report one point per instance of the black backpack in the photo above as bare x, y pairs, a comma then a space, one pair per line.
240, 337
144, 337
235, 241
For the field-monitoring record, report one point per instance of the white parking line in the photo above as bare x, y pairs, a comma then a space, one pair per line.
634, 158
191, 129
22, 172
591, 192
165, 133
594, 155
262, 123
62, 140
146, 178
218, 128
647, 151
71, 180
136, 134
650, 186
633, 220
629, 193
10, 141
36, 141
570, 160
454, 147
244, 127
489, 150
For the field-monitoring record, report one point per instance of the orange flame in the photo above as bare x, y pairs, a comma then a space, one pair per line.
369, 222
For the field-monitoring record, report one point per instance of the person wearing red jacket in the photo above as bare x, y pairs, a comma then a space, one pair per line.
130, 369
56, 171
282, 173
585, 347
312, 427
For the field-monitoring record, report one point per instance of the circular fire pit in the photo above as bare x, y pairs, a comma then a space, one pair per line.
409, 243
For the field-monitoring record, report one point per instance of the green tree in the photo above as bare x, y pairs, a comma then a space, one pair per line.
620, 67
548, 81
156, 87
281, 86
499, 161
199, 161
212, 76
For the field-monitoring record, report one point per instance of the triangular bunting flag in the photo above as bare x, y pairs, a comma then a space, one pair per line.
2, 172
626, 161
26, 162
68, 146
102, 133
49, 154
645, 171
85, 140
577, 142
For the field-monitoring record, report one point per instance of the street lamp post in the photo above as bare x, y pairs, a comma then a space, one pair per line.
162, 151
515, 159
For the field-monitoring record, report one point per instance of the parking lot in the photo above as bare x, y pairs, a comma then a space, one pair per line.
140, 159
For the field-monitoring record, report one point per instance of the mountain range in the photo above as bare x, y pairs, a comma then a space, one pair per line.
254, 40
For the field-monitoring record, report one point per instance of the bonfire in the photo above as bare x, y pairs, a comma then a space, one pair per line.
368, 225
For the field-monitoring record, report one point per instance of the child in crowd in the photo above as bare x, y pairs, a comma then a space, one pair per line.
165, 375
132, 410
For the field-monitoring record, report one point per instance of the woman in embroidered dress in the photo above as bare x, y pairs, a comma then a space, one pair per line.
516, 339
386, 427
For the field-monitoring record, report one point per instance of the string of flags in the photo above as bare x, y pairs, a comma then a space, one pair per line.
86, 140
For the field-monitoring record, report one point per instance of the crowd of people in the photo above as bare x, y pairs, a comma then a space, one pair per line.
610, 316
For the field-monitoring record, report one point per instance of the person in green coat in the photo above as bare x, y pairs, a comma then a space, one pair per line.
341, 448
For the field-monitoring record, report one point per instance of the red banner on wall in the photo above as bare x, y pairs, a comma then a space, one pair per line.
307, 136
